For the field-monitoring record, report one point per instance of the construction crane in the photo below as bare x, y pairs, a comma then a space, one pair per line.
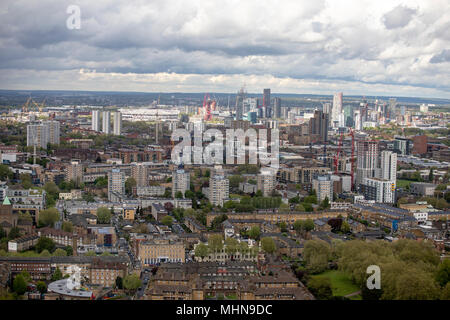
26, 105
39, 106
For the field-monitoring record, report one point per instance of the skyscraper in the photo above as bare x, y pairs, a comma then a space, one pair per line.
74, 172
277, 107
318, 127
392, 108
106, 122
266, 102
323, 186
180, 182
219, 189
38, 135
326, 108
96, 120
388, 166
337, 109
266, 182
116, 182
53, 128
367, 160
117, 123
240, 104
139, 172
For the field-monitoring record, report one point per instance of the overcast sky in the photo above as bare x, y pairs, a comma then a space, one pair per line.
373, 47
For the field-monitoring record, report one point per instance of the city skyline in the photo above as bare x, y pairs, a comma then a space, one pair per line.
399, 49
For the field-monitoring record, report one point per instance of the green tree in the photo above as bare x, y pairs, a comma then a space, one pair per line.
443, 273
215, 243
215, 224
48, 217
25, 179
103, 215
345, 227
119, 283
19, 285
45, 243
254, 232
5, 172
57, 275
179, 195
67, 226
14, 233
131, 282
316, 254
201, 250
295, 199
41, 287
320, 287
69, 250
445, 293
325, 203
231, 246
167, 220
60, 253
51, 188
268, 245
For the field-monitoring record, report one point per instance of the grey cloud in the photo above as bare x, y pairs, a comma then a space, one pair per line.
398, 17
296, 40
443, 56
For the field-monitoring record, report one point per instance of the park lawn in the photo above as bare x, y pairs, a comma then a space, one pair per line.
341, 283
403, 183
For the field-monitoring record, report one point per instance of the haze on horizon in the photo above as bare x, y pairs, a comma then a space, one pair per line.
374, 48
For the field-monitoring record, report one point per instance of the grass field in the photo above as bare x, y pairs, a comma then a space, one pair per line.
341, 284
403, 183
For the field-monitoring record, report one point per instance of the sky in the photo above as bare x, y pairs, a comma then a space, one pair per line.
375, 48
